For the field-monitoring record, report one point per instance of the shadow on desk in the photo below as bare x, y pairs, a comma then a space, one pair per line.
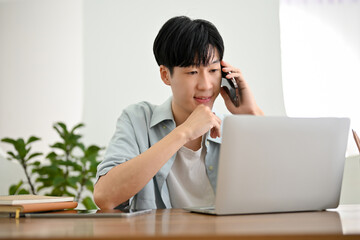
179, 222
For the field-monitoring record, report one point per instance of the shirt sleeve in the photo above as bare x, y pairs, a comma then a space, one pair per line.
122, 147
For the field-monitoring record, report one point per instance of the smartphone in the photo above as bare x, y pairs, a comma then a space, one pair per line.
231, 88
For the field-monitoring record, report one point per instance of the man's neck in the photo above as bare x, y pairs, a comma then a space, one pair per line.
180, 115
194, 144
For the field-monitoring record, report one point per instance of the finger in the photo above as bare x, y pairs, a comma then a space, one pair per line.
239, 79
218, 120
231, 70
225, 64
234, 74
215, 132
214, 126
226, 67
212, 133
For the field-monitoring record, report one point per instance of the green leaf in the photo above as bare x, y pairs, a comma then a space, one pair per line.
93, 167
76, 127
58, 180
32, 139
50, 171
14, 188
72, 140
93, 149
34, 155
20, 148
89, 203
27, 150
57, 192
77, 167
89, 185
64, 163
63, 126
12, 155
9, 140
59, 146
23, 191
36, 164
51, 155
46, 182
72, 181
81, 146
64, 131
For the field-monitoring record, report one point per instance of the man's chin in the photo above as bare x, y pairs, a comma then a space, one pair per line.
208, 104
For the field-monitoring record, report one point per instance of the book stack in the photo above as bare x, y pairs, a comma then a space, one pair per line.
17, 204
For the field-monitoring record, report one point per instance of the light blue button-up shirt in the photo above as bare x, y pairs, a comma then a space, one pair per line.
138, 128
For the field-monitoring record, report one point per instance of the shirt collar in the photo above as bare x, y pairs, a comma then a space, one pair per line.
162, 112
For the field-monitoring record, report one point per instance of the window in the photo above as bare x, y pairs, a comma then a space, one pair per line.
320, 44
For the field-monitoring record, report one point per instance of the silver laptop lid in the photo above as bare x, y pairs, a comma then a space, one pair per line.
280, 164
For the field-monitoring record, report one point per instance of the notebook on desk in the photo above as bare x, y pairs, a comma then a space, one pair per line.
279, 164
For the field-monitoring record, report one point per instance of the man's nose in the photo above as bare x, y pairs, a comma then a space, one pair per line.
204, 81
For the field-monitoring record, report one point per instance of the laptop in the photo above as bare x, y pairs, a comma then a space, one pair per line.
279, 164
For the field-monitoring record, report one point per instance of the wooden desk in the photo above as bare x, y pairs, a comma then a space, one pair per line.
342, 223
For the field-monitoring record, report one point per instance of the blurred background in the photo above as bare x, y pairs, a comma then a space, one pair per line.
86, 60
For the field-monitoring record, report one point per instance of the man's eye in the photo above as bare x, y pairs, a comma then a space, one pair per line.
192, 72
214, 70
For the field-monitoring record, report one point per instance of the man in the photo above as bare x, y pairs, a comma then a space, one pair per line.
167, 156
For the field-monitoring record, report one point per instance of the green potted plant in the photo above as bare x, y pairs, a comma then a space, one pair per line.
23, 155
68, 170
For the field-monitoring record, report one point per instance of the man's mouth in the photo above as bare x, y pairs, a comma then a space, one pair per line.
202, 99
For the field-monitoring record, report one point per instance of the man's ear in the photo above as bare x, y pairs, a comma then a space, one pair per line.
165, 74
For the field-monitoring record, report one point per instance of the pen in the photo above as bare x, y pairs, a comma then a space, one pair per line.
357, 140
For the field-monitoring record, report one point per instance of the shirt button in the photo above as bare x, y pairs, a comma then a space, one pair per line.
164, 126
207, 143
211, 168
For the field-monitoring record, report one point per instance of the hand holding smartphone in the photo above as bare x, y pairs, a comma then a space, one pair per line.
231, 88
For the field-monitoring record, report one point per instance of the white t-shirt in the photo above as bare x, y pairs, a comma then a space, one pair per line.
188, 183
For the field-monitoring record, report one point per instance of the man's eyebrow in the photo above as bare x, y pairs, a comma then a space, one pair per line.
215, 61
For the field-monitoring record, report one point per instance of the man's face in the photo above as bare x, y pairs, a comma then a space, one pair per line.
192, 86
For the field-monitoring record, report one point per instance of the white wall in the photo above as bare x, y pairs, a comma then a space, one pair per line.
350, 191
120, 69
41, 78
74, 60
320, 46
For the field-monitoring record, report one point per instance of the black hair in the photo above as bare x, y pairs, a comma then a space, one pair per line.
182, 42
